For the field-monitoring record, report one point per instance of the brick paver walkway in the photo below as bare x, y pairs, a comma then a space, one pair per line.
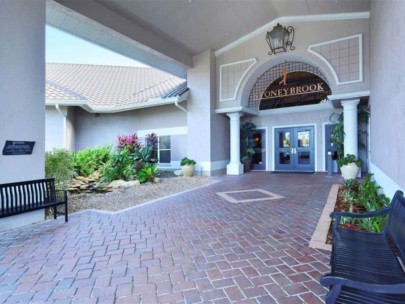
195, 247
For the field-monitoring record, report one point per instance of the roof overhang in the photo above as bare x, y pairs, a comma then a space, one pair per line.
104, 27
154, 102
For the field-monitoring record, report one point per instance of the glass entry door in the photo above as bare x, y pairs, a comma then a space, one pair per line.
294, 149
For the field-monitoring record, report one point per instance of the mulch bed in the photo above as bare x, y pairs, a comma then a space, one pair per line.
340, 206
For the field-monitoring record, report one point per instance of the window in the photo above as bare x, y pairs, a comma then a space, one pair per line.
164, 150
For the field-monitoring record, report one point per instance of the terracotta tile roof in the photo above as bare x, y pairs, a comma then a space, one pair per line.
110, 87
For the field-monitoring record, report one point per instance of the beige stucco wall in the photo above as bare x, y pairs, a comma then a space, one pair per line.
59, 128
54, 129
208, 137
306, 33
387, 88
93, 130
22, 97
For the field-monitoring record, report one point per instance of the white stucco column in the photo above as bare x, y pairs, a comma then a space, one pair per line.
235, 167
350, 126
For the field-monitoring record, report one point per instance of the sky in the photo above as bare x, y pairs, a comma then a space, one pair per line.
62, 47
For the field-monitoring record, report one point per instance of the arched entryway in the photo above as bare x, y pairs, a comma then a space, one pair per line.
279, 95
289, 84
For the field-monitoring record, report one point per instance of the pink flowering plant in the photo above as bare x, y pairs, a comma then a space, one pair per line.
128, 142
130, 159
152, 141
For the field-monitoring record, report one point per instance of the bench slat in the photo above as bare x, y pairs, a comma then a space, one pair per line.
17, 198
354, 296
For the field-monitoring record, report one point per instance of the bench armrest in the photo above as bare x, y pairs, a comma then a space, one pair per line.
360, 215
338, 215
336, 283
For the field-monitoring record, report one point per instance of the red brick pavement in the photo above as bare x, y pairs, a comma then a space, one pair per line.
195, 247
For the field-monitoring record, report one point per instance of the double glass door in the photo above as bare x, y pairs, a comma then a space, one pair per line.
294, 149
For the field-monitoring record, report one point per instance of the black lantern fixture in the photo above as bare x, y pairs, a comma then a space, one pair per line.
280, 38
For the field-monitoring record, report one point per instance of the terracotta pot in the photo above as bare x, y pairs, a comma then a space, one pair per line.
350, 171
187, 170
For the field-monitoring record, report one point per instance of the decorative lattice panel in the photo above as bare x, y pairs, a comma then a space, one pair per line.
344, 56
231, 76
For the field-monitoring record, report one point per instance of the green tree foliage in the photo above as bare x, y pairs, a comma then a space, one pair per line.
59, 165
87, 161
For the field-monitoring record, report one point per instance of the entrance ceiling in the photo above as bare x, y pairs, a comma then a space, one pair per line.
179, 29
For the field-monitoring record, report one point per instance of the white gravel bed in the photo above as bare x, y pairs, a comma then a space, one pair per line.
124, 198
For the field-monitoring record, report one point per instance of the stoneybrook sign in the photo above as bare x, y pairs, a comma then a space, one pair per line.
283, 91
278, 88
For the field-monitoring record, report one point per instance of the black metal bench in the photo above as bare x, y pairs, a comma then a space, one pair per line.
22, 197
368, 267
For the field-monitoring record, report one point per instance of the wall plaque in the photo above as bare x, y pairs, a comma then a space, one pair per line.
13, 147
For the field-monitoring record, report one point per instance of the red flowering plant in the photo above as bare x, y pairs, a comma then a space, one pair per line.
128, 142
152, 142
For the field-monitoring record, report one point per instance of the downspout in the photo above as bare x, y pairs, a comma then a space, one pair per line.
176, 103
64, 124
60, 111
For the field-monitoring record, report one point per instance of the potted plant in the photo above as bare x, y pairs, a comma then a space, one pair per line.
337, 134
187, 166
247, 144
247, 159
350, 166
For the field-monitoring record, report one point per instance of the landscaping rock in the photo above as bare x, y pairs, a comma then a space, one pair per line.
133, 183
118, 183
178, 173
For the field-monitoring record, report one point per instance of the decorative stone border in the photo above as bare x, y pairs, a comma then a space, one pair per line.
318, 240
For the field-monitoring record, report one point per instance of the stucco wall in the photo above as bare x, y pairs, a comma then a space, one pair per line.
54, 129
208, 137
102, 129
22, 97
306, 34
387, 85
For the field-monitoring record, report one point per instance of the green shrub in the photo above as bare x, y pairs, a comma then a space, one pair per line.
369, 195
365, 196
348, 159
120, 166
89, 160
59, 165
148, 173
187, 162
142, 156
